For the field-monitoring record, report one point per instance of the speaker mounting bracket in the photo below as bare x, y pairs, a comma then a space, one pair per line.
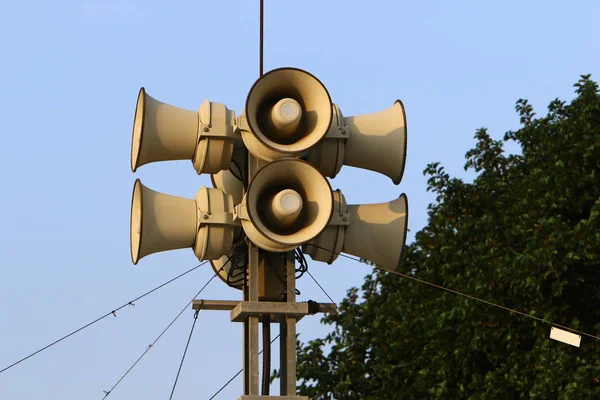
242, 123
339, 132
221, 218
219, 131
338, 129
241, 212
216, 121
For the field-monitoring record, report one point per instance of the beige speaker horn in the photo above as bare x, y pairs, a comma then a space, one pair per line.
162, 132
287, 204
288, 111
161, 222
376, 142
375, 232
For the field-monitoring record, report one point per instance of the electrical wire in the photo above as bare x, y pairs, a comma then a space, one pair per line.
272, 341
468, 296
238, 373
277, 337
108, 392
324, 291
184, 353
236, 273
330, 299
303, 264
112, 312
284, 280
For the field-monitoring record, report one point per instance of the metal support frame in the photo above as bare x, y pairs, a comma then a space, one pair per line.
287, 340
265, 278
286, 313
251, 381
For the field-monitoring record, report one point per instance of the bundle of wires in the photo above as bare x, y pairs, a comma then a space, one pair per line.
238, 264
301, 260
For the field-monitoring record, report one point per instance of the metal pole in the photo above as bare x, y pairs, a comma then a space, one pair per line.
251, 286
251, 326
262, 31
287, 340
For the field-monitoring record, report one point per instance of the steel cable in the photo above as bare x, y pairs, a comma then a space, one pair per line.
112, 312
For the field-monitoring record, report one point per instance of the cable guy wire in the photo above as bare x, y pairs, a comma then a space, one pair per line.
468, 296
112, 312
239, 372
151, 345
184, 353
324, 291
330, 299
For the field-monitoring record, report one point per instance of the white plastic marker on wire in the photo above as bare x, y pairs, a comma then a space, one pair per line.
565, 337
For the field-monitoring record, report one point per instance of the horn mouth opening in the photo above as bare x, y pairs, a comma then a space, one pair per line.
398, 178
138, 128
135, 223
305, 180
405, 200
301, 87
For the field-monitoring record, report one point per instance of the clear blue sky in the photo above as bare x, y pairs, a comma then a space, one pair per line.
69, 77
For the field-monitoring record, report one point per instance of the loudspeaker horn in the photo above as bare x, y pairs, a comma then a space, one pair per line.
161, 222
375, 232
288, 111
376, 142
163, 132
287, 204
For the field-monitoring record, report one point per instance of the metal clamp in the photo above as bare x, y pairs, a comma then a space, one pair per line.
222, 218
242, 123
241, 212
223, 131
338, 130
214, 122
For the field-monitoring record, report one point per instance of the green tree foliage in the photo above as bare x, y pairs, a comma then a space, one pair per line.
525, 234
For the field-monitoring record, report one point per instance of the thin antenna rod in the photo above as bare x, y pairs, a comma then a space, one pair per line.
262, 25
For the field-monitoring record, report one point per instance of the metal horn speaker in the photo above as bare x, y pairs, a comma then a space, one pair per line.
375, 232
288, 111
163, 132
287, 204
161, 222
376, 142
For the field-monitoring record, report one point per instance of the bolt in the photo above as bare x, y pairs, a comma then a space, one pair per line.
210, 125
208, 213
205, 129
205, 216
341, 215
344, 219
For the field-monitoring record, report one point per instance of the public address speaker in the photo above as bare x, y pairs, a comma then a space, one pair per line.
163, 132
287, 204
375, 232
287, 112
161, 222
376, 142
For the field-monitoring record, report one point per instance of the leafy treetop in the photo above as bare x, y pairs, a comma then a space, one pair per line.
525, 234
